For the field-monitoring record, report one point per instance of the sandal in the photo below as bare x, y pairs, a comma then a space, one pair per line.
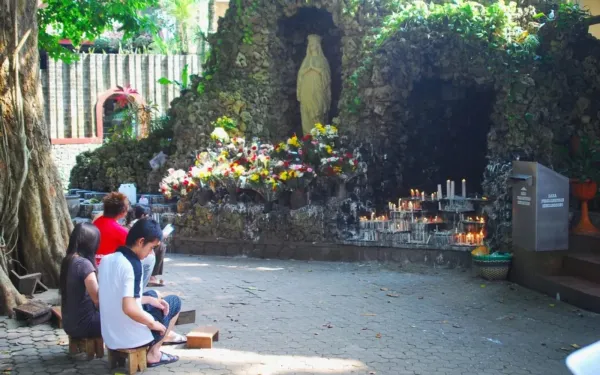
179, 339
156, 284
165, 359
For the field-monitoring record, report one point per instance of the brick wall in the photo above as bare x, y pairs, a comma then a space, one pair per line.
71, 91
64, 158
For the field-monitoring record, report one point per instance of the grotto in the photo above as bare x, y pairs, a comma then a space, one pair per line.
423, 92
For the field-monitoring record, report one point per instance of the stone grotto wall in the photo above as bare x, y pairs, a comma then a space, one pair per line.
532, 106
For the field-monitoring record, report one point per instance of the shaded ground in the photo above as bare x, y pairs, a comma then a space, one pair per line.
293, 317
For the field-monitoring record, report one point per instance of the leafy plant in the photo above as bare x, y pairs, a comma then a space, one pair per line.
183, 83
582, 162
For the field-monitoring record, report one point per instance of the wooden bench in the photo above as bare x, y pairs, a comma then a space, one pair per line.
93, 347
136, 359
202, 337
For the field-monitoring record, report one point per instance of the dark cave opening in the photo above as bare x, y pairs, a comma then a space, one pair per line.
293, 32
447, 136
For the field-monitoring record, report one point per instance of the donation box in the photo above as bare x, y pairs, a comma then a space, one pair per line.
540, 207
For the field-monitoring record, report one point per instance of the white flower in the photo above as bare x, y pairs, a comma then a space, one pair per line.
220, 134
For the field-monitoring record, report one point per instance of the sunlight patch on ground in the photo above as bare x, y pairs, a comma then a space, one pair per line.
190, 265
241, 362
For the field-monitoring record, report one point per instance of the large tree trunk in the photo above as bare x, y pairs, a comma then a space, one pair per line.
34, 219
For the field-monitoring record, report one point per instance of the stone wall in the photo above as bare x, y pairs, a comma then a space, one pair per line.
64, 158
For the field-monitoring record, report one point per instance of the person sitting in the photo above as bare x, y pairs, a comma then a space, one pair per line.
126, 324
78, 284
112, 234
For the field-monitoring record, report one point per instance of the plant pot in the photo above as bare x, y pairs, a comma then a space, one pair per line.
73, 204
493, 269
584, 191
298, 199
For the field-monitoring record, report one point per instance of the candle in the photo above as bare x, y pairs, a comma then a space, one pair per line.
372, 215
464, 188
439, 191
410, 206
447, 188
412, 193
432, 197
422, 195
400, 202
417, 193
452, 189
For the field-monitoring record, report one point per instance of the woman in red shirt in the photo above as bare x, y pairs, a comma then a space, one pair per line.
112, 234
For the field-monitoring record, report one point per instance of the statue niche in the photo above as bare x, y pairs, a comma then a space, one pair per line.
313, 88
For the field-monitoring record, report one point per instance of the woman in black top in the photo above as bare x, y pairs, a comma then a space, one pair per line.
79, 284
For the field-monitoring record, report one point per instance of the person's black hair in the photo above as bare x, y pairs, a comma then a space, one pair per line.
141, 210
84, 242
148, 229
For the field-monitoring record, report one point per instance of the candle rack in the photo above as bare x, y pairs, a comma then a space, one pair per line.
434, 223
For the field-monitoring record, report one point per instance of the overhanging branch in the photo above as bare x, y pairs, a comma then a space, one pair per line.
594, 20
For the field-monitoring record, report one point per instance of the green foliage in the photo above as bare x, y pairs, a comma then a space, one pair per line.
569, 14
244, 13
492, 25
183, 83
126, 160
226, 123
582, 163
80, 21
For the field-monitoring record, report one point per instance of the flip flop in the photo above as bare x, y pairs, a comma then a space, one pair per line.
165, 359
180, 339
156, 284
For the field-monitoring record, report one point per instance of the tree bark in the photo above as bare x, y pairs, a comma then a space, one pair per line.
31, 195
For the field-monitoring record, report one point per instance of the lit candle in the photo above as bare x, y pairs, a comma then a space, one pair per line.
372, 216
422, 195
452, 189
400, 202
439, 192
410, 206
464, 188
447, 188
412, 193
432, 197
417, 193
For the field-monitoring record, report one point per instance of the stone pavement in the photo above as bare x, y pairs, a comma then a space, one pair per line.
292, 317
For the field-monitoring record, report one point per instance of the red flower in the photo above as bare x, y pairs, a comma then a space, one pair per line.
307, 137
348, 155
254, 148
286, 164
210, 169
186, 182
122, 100
175, 186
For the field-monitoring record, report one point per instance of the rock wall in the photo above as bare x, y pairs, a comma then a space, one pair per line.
253, 67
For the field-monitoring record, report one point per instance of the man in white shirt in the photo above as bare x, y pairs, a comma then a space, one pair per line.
124, 323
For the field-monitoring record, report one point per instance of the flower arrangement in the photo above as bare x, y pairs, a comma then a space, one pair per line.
177, 183
268, 169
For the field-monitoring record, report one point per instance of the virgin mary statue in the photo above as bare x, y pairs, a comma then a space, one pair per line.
313, 88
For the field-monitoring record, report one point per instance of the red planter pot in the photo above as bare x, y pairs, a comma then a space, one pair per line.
584, 191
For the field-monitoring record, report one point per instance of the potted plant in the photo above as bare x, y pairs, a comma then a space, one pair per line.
582, 166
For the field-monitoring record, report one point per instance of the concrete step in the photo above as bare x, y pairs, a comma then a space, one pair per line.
574, 290
584, 265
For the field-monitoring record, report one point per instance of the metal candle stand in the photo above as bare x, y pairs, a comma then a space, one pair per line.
437, 223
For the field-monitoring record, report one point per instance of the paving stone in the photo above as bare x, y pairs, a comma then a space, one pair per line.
292, 317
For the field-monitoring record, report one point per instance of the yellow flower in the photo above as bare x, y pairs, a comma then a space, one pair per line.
328, 149
254, 177
293, 141
337, 169
239, 170
264, 173
292, 174
320, 128
283, 176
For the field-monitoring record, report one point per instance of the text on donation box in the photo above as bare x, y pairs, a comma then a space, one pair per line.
523, 199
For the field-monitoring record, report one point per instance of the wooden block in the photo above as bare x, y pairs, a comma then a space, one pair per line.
202, 337
34, 312
186, 317
136, 359
57, 313
92, 347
